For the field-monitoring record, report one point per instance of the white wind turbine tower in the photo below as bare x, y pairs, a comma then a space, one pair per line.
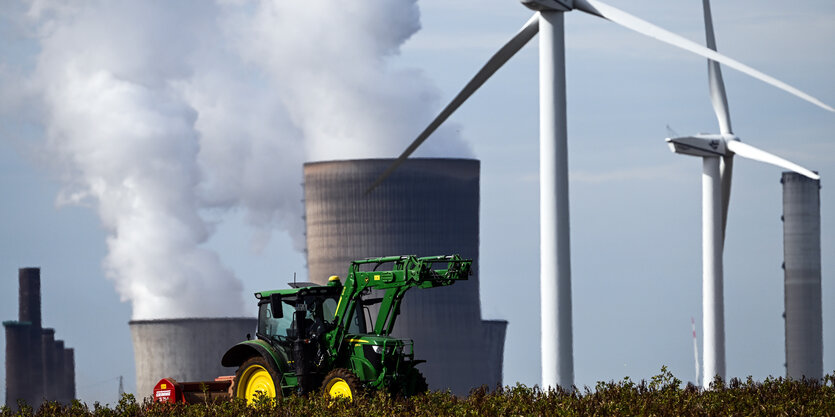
717, 152
555, 266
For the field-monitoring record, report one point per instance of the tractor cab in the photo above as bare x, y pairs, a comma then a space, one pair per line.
306, 313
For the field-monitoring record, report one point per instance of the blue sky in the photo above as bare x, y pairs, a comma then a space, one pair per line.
635, 207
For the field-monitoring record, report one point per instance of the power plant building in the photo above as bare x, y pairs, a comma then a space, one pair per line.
38, 367
426, 207
186, 349
802, 268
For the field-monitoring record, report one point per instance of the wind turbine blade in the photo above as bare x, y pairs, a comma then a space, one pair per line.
493, 64
717, 86
622, 18
726, 170
750, 152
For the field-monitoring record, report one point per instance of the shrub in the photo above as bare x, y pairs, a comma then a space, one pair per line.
662, 395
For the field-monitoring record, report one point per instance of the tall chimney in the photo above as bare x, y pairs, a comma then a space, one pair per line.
802, 265
29, 305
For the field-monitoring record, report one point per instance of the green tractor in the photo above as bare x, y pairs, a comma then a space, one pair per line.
337, 337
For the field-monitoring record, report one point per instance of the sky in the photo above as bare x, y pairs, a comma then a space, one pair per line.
235, 203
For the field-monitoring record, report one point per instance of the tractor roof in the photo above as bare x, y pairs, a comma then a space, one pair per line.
301, 291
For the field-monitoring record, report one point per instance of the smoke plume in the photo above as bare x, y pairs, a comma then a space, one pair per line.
165, 116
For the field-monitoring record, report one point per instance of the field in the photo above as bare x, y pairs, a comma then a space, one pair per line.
662, 395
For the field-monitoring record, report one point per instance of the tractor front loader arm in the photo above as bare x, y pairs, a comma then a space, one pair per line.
406, 272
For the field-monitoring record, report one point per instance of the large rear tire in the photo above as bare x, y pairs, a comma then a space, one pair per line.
341, 382
256, 376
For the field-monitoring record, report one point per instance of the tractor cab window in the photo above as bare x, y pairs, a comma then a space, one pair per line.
272, 326
356, 325
329, 309
316, 321
320, 309
325, 310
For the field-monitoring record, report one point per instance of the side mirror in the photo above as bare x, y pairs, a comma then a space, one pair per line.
275, 306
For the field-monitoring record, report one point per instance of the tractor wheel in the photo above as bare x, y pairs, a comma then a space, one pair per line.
341, 382
253, 377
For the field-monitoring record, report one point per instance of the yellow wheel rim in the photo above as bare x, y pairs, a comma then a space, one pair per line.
339, 388
254, 380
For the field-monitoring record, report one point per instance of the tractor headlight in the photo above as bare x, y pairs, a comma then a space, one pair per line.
377, 349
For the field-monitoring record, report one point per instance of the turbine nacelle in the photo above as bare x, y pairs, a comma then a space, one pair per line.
549, 5
702, 145
708, 145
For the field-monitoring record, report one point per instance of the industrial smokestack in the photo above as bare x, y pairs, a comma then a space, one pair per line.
184, 349
29, 303
427, 207
802, 265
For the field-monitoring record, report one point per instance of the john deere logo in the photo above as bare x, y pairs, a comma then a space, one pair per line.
714, 144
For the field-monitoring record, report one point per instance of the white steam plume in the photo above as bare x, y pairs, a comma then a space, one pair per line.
165, 115
327, 62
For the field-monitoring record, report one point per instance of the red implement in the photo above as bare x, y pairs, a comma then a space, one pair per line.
168, 390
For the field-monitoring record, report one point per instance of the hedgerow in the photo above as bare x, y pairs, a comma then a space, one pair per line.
662, 395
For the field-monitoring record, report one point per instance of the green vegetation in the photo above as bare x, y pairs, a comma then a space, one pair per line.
662, 395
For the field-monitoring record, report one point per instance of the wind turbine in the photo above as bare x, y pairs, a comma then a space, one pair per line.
717, 152
555, 263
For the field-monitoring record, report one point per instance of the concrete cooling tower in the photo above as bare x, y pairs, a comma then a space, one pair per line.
426, 207
802, 264
184, 349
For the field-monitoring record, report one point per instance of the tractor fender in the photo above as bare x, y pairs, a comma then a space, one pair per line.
363, 369
238, 354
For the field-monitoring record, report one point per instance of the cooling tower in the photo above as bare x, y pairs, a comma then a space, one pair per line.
802, 265
426, 207
184, 349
